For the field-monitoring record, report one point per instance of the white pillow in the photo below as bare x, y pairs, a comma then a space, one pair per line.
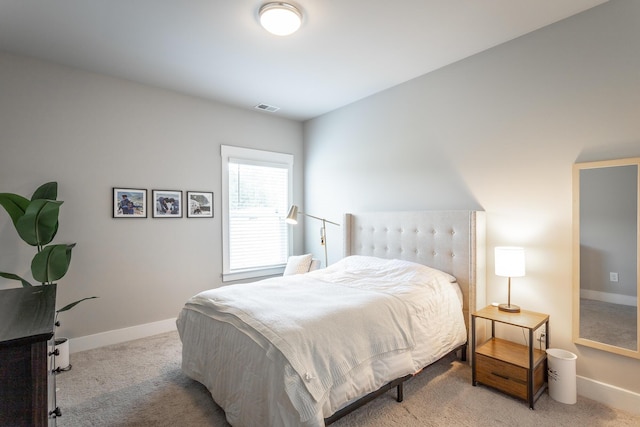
297, 264
315, 264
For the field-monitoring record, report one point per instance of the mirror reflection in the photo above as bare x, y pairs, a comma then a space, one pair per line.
608, 256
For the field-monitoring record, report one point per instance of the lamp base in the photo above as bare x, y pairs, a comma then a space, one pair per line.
509, 307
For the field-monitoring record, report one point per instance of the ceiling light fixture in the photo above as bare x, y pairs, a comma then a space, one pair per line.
280, 18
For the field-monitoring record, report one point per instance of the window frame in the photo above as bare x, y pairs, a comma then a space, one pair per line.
276, 159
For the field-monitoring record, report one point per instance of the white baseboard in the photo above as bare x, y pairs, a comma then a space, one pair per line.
613, 396
609, 297
117, 336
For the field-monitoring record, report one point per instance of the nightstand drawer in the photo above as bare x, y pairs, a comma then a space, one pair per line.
504, 376
508, 378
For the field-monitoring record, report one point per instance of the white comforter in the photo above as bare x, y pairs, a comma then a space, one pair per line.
339, 333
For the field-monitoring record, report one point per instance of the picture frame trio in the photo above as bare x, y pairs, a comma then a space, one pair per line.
133, 203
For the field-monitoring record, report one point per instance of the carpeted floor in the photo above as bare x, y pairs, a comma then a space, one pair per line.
608, 323
139, 383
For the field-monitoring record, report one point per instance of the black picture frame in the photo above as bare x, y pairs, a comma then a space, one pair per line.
200, 204
167, 203
129, 202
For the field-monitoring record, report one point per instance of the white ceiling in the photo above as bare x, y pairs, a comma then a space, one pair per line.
345, 50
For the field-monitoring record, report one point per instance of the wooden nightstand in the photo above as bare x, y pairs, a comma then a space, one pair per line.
515, 369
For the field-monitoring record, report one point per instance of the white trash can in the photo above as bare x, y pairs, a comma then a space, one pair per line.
561, 370
62, 359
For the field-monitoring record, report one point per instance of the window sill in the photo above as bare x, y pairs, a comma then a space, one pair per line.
261, 273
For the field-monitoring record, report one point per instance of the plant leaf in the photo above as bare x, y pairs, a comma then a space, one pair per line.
73, 304
48, 191
15, 205
51, 263
11, 276
39, 224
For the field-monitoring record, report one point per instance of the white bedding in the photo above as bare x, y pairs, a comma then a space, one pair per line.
329, 336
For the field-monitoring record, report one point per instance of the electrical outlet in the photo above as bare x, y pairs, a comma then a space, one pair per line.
613, 277
540, 334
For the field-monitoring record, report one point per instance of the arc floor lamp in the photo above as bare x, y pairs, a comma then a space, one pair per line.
292, 218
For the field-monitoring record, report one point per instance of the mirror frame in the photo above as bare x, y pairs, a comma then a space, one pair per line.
577, 167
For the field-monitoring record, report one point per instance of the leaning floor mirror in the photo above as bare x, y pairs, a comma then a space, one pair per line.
605, 255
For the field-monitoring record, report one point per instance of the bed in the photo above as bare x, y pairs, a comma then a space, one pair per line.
234, 344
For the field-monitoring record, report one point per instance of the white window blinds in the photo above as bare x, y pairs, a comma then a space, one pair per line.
258, 188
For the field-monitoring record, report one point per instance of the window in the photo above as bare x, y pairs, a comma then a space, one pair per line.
256, 193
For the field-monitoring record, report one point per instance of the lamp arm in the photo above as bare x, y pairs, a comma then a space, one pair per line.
319, 219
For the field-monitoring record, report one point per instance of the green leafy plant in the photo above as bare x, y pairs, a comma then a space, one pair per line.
36, 222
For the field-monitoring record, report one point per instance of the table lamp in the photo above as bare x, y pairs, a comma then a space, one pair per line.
509, 263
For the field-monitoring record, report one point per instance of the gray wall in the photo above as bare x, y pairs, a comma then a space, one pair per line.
608, 229
91, 133
499, 132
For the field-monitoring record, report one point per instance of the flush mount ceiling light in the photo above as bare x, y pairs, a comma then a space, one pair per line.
280, 18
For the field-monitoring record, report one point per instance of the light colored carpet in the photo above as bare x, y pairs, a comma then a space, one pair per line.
608, 323
139, 383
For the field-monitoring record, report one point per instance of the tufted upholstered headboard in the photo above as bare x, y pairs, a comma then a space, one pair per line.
451, 241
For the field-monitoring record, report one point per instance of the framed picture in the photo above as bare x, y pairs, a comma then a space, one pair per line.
167, 203
129, 203
200, 204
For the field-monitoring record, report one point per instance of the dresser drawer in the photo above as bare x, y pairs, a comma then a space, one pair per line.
504, 376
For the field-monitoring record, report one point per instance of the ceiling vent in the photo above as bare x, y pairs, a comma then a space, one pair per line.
265, 107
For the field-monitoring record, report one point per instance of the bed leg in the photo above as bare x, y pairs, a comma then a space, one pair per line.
368, 398
463, 352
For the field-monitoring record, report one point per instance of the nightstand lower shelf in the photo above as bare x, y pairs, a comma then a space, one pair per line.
504, 365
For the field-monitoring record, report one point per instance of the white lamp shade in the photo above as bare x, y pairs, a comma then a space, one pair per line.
509, 261
292, 216
280, 18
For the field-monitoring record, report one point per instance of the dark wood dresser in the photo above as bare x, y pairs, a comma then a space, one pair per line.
26, 325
